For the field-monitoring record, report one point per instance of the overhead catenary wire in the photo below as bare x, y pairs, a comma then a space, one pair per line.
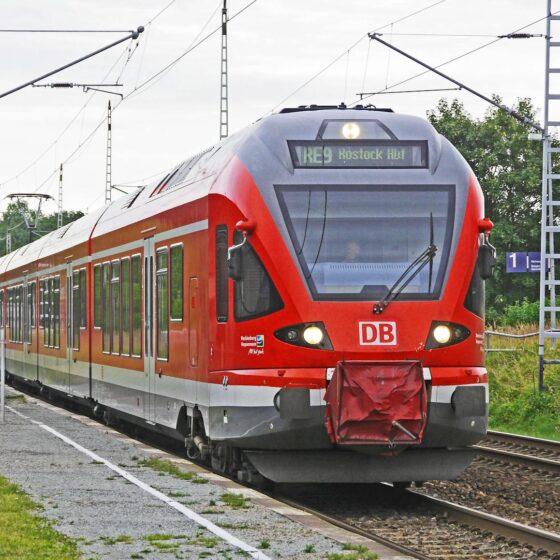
454, 59
348, 49
508, 110
64, 130
136, 91
126, 50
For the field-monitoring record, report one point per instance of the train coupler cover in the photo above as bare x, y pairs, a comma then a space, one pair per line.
376, 403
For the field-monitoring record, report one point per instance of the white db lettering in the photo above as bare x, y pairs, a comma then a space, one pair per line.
376, 333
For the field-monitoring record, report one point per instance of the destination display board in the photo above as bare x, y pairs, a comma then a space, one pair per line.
359, 154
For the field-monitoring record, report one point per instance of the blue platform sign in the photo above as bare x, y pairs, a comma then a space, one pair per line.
523, 261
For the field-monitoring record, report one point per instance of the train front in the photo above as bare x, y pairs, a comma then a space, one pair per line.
351, 254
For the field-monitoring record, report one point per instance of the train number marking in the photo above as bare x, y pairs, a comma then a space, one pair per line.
378, 333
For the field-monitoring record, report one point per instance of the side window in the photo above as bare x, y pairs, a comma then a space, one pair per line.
254, 293
32, 294
97, 309
136, 276
176, 282
125, 294
47, 309
42, 304
106, 316
162, 298
76, 310
222, 298
56, 312
115, 307
83, 296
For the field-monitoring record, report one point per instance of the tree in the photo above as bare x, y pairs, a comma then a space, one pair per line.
12, 222
508, 166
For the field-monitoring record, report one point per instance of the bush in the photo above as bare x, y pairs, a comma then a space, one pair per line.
520, 313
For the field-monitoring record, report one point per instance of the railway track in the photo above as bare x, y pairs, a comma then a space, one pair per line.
523, 450
422, 526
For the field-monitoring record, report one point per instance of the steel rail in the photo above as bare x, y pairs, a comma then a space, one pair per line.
538, 538
540, 443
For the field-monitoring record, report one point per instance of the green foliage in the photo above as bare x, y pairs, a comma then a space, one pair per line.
520, 313
26, 536
13, 222
508, 166
515, 404
236, 501
167, 467
359, 552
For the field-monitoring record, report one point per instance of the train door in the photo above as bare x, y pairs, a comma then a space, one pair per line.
149, 328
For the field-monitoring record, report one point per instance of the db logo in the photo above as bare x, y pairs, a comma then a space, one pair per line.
375, 333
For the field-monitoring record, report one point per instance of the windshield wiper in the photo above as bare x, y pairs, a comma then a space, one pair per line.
415, 267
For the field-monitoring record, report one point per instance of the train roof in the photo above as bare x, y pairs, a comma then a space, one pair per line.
271, 133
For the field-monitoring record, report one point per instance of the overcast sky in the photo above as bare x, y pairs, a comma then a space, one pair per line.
274, 48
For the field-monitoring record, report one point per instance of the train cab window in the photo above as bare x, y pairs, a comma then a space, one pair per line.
97, 308
254, 293
136, 277
222, 299
162, 298
125, 306
106, 316
1, 308
176, 282
115, 307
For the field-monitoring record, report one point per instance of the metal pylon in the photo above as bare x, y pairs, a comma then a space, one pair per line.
550, 220
224, 78
59, 220
108, 169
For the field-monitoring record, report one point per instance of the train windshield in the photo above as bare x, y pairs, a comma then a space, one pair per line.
353, 243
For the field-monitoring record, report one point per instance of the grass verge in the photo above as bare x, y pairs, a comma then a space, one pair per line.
515, 404
24, 534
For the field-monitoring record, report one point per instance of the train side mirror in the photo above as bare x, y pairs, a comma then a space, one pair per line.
235, 252
235, 260
486, 260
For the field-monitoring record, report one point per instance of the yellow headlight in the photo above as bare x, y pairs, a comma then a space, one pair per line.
442, 334
351, 130
313, 335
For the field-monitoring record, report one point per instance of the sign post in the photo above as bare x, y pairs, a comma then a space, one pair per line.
2, 375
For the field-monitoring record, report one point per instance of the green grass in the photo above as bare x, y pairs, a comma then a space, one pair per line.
309, 548
515, 404
167, 467
356, 552
26, 536
236, 501
126, 539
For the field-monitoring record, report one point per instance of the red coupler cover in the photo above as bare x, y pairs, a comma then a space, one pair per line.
376, 402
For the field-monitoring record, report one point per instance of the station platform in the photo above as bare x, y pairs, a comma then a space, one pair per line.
117, 497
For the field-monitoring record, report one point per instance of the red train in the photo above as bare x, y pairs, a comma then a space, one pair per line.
303, 301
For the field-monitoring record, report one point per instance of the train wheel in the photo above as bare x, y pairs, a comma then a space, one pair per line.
221, 459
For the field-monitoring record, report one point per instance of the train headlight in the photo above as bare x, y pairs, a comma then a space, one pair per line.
351, 130
313, 335
444, 333
310, 335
